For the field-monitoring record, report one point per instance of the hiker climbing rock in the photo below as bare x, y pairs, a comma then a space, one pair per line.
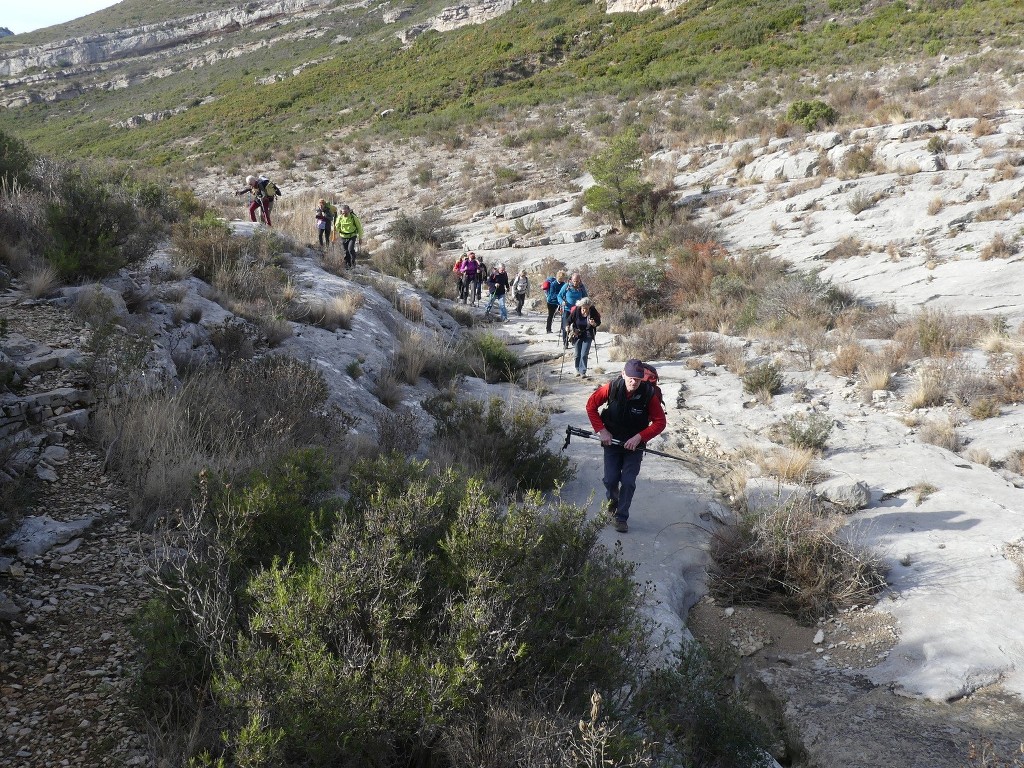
263, 192
633, 415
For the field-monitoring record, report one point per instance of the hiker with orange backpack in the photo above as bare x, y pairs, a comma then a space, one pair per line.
633, 415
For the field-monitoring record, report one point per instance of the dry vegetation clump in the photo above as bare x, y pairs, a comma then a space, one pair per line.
658, 340
791, 465
932, 386
41, 281
731, 355
848, 358
1011, 381
999, 247
938, 333
1015, 461
847, 248
228, 420
941, 432
701, 343
387, 387
621, 318
795, 558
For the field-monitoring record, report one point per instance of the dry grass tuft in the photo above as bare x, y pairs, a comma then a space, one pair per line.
701, 343
931, 388
794, 558
999, 247
731, 355
41, 281
793, 465
979, 456
849, 356
1011, 381
658, 340
941, 432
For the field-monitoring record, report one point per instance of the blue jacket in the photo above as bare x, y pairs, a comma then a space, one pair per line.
553, 288
569, 295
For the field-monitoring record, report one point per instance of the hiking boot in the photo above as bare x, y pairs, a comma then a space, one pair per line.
620, 526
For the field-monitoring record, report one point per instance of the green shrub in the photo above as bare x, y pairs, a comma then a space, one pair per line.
493, 360
94, 228
694, 706
15, 161
620, 190
276, 513
505, 443
763, 379
429, 226
635, 283
811, 114
426, 607
810, 431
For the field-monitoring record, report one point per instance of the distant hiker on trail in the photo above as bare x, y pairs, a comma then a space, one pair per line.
478, 282
569, 294
325, 213
633, 415
460, 281
348, 227
583, 321
263, 192
470, 270
520, 290
554, 285
499, 287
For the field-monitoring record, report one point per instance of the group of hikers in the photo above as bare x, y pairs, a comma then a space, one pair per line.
332, 222
625, 412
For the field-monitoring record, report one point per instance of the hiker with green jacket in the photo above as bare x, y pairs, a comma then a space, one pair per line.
348, 227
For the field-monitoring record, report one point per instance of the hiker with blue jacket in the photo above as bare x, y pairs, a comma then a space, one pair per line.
570, 293
554, 285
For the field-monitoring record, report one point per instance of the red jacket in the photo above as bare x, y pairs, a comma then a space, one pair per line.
655, 411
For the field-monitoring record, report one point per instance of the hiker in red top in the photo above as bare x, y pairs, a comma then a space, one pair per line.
634, 414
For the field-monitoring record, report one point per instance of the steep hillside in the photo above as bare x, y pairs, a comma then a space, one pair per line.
176, 83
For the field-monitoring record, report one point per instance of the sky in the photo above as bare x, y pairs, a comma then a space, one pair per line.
25, 15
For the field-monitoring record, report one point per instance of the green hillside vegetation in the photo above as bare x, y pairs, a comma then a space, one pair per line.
562, 52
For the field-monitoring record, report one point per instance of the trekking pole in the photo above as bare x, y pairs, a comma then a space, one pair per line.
560, 367
571, 430
597, 357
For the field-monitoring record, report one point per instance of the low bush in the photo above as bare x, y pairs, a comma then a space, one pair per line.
793, 557
505, 443
808, 431
812, 115
1011, 381
427, 227
491, 359
657, 340
426, 608
764, 379
634, 283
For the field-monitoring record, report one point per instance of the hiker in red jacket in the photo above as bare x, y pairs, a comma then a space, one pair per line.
634, 414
